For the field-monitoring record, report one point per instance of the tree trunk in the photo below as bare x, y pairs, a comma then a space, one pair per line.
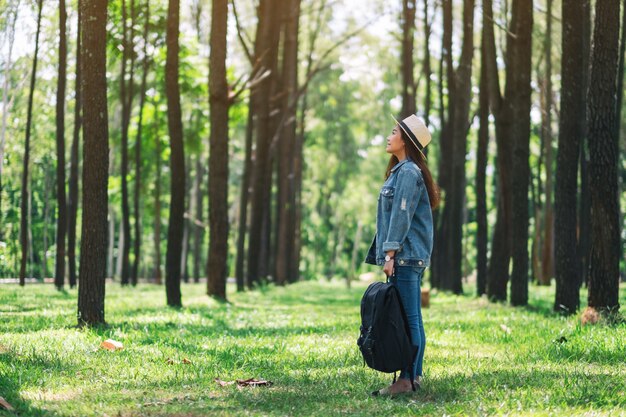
73, 186
482, 233
25, 183
59, 272
177, 160
571, 129
454, 144
408, 80
91, 287
157, 200
111, 247
243, 203
198, 229
217, 267
184, 256
126, 96
46, 221
266, 51
518, 90
11, 19
547, 262
142, 101
584, 238
285, 206
426, 66
603, 152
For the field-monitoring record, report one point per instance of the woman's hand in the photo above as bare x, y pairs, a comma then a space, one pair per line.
388, 268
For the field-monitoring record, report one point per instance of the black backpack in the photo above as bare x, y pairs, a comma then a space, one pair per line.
385, 339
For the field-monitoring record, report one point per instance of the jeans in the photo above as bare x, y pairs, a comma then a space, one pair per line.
408, 280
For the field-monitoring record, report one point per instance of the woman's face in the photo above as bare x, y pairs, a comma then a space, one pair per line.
395, 144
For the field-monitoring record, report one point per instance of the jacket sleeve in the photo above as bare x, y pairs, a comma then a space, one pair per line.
409, 187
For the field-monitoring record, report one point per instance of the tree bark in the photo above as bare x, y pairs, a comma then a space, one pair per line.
240, 275
571, 129
482, 233
25, 183
12, 18
547, 259
454, 145
217, 267
59, 272
142, 101
408, 79
198, 228
584, 222
426, 65
157, 200
91, 287
286, 197
603, 152
126, 96
266, 51
74, 161
177, 160
518, 89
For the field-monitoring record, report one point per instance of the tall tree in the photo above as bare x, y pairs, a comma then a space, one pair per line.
547, 258
584, 222
512, 121
449, 252
571, 128
217, 268
603, 152
286, 143
11, 14
177, 160
126, 97
91, 287
266, 52
72, 202
25, 183
59, 272
139, 138
426, 65
407, 65
482, 234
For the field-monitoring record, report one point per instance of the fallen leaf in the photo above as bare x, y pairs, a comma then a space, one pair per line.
170, 361
186, 361
253, 382
5, 404
112, 345
224, 383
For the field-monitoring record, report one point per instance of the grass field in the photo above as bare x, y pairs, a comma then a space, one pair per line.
481, 358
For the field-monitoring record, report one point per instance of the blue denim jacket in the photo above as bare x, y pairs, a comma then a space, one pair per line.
404, 219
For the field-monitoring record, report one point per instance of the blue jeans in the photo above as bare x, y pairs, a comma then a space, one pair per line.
408, 280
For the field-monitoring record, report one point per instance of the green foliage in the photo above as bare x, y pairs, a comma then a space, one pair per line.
481, 358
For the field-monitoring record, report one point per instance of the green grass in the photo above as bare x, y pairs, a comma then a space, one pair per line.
303, 339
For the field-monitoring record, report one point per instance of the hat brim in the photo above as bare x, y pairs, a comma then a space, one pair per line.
407, 133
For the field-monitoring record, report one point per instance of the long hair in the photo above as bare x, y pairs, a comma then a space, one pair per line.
416, 156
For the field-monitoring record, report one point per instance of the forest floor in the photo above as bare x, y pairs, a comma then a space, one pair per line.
481, 358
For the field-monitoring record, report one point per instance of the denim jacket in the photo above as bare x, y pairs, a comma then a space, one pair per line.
404, 220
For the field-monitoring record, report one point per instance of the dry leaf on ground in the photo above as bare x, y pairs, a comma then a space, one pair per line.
4, 404
111, 345
186, 361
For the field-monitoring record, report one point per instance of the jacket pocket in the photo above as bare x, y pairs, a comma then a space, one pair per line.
386, 197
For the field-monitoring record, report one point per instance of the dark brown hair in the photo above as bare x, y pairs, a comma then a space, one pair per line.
416, 156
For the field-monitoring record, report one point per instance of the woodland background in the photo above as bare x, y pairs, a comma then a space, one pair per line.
251, 145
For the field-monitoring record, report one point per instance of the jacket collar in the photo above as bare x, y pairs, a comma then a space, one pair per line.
399, 164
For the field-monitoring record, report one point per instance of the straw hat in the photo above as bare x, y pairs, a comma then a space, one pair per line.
417, 132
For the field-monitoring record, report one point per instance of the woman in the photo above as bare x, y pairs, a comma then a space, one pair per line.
404, 232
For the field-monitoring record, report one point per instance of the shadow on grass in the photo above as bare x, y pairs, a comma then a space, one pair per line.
10, 391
